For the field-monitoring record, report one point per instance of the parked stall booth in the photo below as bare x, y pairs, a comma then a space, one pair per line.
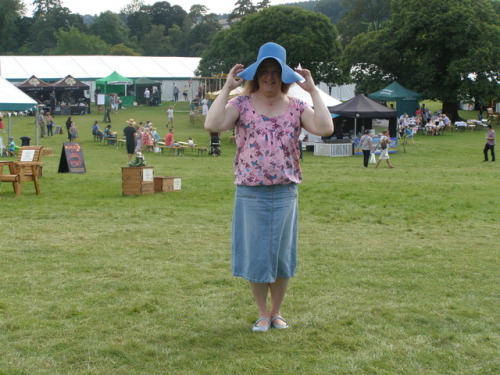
406, 100
115, 83
72, 97
38, 90
358, 114
154, 87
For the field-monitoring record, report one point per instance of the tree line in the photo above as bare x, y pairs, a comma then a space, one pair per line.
448, 50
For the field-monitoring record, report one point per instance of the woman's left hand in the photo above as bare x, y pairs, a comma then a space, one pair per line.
308, 83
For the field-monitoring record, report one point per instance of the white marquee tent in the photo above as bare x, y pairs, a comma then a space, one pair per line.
169, 70
297, 92
13, 100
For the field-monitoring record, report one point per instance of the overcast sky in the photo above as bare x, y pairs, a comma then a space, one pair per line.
97, 6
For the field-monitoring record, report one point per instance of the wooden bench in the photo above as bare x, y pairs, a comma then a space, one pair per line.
200, 150
120, 142
27, 168
109, 141
180, 150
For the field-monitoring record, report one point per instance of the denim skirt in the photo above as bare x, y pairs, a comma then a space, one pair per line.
264, 232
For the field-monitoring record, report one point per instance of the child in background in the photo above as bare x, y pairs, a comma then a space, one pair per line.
11, 148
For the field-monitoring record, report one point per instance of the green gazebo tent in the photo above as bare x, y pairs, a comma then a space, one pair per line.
118, 84
154, 86
406, 100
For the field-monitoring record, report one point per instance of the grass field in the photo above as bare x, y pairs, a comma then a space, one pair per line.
398, 268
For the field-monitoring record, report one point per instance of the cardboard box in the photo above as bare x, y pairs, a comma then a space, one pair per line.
167, 183
137, 180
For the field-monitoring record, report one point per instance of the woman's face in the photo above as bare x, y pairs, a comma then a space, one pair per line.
269, 75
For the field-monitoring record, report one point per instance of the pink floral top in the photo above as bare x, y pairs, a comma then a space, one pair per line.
267, 150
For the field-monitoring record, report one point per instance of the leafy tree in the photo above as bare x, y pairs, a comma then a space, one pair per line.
364, 15
155, 43
122, 50
132, 7
309, 38
110, 28
9, 17
75, 42
201, 34
449, 54
45, 6
197, 11
22, 38
162, 13
139, 23
333, 9
243, 8
42, 34
263, 4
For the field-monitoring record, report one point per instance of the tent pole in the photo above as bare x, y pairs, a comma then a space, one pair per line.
9, 127
36, 124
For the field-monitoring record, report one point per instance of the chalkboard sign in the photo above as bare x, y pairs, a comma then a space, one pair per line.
72, 159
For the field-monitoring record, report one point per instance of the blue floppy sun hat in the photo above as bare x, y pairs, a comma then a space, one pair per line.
272, 51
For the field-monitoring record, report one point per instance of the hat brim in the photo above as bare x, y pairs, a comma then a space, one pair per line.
288, 75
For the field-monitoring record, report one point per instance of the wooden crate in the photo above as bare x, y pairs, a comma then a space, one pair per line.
137, 180
167, 183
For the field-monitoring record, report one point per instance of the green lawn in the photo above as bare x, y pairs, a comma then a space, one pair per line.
398, 268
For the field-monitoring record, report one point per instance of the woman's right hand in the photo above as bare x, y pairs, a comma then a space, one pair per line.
232, 79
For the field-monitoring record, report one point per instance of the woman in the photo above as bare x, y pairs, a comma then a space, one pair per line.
69, 124
267, 126
138, 139
50, 124
384, 149
366, 145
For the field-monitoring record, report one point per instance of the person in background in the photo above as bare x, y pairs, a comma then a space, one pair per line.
1, 123
138, 138
170, 116
384, 143
267, 125
204, 108
107, 113
156, 136
72, 132
176, 93
11, 147
53, 102
147, 97
490, 144
40, 119
148, 139
129, 133
366, 145
169, 139
96, 131
50, 124
69, 123
108, 133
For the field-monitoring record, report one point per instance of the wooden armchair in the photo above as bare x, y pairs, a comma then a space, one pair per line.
27, 168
